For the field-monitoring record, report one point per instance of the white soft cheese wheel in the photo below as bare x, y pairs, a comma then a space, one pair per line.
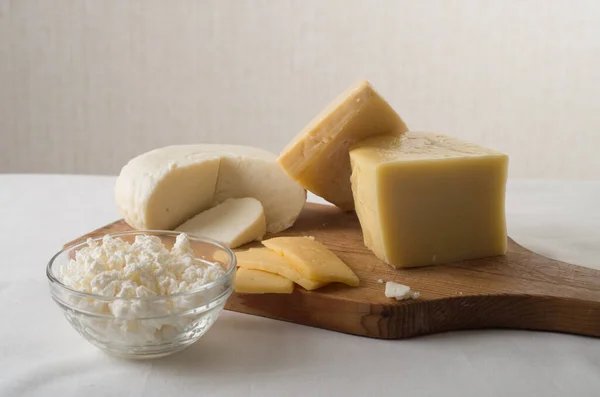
234, 222
165, 187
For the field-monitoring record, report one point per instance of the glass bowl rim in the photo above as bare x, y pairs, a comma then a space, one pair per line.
220, 280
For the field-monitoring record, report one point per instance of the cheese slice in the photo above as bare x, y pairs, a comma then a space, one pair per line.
425, 199
266, 260
250, 281
318, 156
234, 222
165, 187
312, 259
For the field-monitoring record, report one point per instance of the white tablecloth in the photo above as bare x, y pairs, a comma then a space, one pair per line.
40, 355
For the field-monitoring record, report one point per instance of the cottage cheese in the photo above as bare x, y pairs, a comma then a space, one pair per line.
119, 272
142, 269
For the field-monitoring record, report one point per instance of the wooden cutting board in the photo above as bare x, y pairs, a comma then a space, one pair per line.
519, 290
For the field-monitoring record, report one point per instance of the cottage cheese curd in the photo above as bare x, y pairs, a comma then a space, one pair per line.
119, 272
142, 269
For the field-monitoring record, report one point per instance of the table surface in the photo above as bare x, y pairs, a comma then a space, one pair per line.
41, 355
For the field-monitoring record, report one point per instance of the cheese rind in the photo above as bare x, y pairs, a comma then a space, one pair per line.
266, 260
165, 187
250, 281
312, 259
426, 199
146, 185
318, 156
234, 222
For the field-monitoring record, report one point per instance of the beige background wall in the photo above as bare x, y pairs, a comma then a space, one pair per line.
85, 85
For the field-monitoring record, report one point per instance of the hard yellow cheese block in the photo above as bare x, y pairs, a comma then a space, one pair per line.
250, 281
266, 260
312, 259
318, 156
425, 199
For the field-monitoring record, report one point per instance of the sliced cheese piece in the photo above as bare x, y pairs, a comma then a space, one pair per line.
399, 291
234, 222
250, 281
266, 260
425, 198
165, 187
312, 259
318, 156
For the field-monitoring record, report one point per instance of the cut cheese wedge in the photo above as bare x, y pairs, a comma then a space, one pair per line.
165, 187
318, 156
266, 260
250, 281
234, 222
312, 259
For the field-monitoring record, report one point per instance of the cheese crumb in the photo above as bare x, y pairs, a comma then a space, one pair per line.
399, 291
380, 281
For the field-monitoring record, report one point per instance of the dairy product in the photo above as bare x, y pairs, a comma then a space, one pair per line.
399, 291
142, 269
318, 156
163, 188
425, 199
266, 260
251, 281
234, 222
119, 273
312, 259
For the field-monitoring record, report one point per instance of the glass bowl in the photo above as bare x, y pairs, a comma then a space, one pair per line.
167, 323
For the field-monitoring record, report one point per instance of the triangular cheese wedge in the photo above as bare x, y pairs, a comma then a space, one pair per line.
249, 281
312, 259
269, 261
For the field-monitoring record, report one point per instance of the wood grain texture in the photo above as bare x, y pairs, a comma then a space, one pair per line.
520, 290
